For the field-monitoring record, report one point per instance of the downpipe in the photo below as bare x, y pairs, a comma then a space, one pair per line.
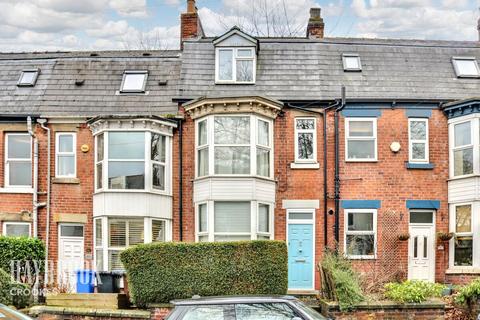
337, 169
35, 204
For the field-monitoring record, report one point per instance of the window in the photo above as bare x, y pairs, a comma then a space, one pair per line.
360, 233
305, 140
121, 235
16, 229
132, 160
65, 150
67, 230
158, 231
234, 145
28, 78
264, 311
18, 160
233, 221
98, 244
351, 62
209, 312
134, 81
235, 65
462, 149
463, 241
466, 67
361, 139
418, 140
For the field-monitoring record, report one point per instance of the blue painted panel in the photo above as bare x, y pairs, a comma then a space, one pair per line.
423, 204
462, 108
366, 113
361, 204
418, 113
300, 256
424, 166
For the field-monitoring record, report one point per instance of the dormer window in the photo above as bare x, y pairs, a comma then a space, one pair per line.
28, 78
134, 81
351, 62
466, 67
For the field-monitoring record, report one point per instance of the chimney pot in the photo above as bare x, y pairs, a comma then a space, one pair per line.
191, 8
315, 27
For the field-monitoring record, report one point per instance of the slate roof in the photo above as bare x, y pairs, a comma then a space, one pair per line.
57, 94
302, 69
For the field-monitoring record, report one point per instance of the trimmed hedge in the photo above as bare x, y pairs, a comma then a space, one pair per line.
160, 272
13, 293
21, 249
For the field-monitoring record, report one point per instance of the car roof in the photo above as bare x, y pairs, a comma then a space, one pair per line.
197, 300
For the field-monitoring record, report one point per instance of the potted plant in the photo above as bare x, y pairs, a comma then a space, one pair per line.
403, 236
445, 236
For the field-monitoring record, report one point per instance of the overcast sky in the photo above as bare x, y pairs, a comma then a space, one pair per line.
40, 25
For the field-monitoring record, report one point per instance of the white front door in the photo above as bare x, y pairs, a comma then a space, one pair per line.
70, 255
421, 247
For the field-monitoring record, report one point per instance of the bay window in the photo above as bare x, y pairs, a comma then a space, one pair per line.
463, 240
234, 221
115, 234
418, 140
18, 160
361, 139
234, 145
132, 160
360, 233
462, 149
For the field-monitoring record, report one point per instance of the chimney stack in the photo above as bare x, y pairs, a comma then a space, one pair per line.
315, 27
478, 28
190, 25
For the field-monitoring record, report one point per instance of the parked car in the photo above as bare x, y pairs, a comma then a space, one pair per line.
10, 314
243, 308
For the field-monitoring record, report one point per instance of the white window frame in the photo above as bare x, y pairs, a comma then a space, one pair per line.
253, 145
5, 223
412, 141
474, 233
234, 64
312, 131
8, 160
28, 84
58, 153
269, 233
348, 138
148, 163
457, 70
129, 72
346, 56
473, 144
360, 233
254, 217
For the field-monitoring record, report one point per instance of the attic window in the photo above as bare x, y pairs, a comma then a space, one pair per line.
351, 62
28, 78
466, 67
134, 81
235, 65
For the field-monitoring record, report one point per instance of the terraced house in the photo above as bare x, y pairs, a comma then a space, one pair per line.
366, 144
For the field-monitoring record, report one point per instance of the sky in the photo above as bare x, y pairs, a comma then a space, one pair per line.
47, 25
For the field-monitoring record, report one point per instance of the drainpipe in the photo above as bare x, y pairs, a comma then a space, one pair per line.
180, 185
35, 177
42, 123
337, 169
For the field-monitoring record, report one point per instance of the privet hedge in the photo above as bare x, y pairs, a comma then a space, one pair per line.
13, 293
160, 272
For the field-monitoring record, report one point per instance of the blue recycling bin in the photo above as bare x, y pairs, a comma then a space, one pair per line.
85, 281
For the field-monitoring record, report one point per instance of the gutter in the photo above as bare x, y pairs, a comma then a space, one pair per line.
337, 169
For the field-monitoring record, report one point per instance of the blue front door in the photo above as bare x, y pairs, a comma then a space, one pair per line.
300, 256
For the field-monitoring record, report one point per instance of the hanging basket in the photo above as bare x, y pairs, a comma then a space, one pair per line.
443, 236
404, 236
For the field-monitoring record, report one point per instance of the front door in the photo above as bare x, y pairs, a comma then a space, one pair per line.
300, 256
70, 255
421, 247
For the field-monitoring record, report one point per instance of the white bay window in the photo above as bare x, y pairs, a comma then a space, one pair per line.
234, 145
462, 149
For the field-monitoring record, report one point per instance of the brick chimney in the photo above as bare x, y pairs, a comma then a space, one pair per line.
190, 25
315, 27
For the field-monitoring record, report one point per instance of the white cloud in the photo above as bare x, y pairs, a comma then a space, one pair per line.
130, 8
110, 29
172, 2
83, 6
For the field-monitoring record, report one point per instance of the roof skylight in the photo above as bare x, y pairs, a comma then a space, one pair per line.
466, 67
134, 81
28, 78
351, 62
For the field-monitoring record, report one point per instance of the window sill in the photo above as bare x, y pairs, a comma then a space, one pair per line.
297, 165
233, 177
361, 257
419, 166
16, 190
133, 191
463, 270
361, 160
66, 180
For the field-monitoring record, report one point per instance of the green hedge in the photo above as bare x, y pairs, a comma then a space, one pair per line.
13, 293
160, 272
20, 249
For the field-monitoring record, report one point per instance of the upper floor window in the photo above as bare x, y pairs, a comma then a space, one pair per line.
28, 78
361, 139
234, 145
18, 160
134, 160
418, 140
462, 149
65, 152
134, 81
351, 62
466, 67
235, 65
305, 140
